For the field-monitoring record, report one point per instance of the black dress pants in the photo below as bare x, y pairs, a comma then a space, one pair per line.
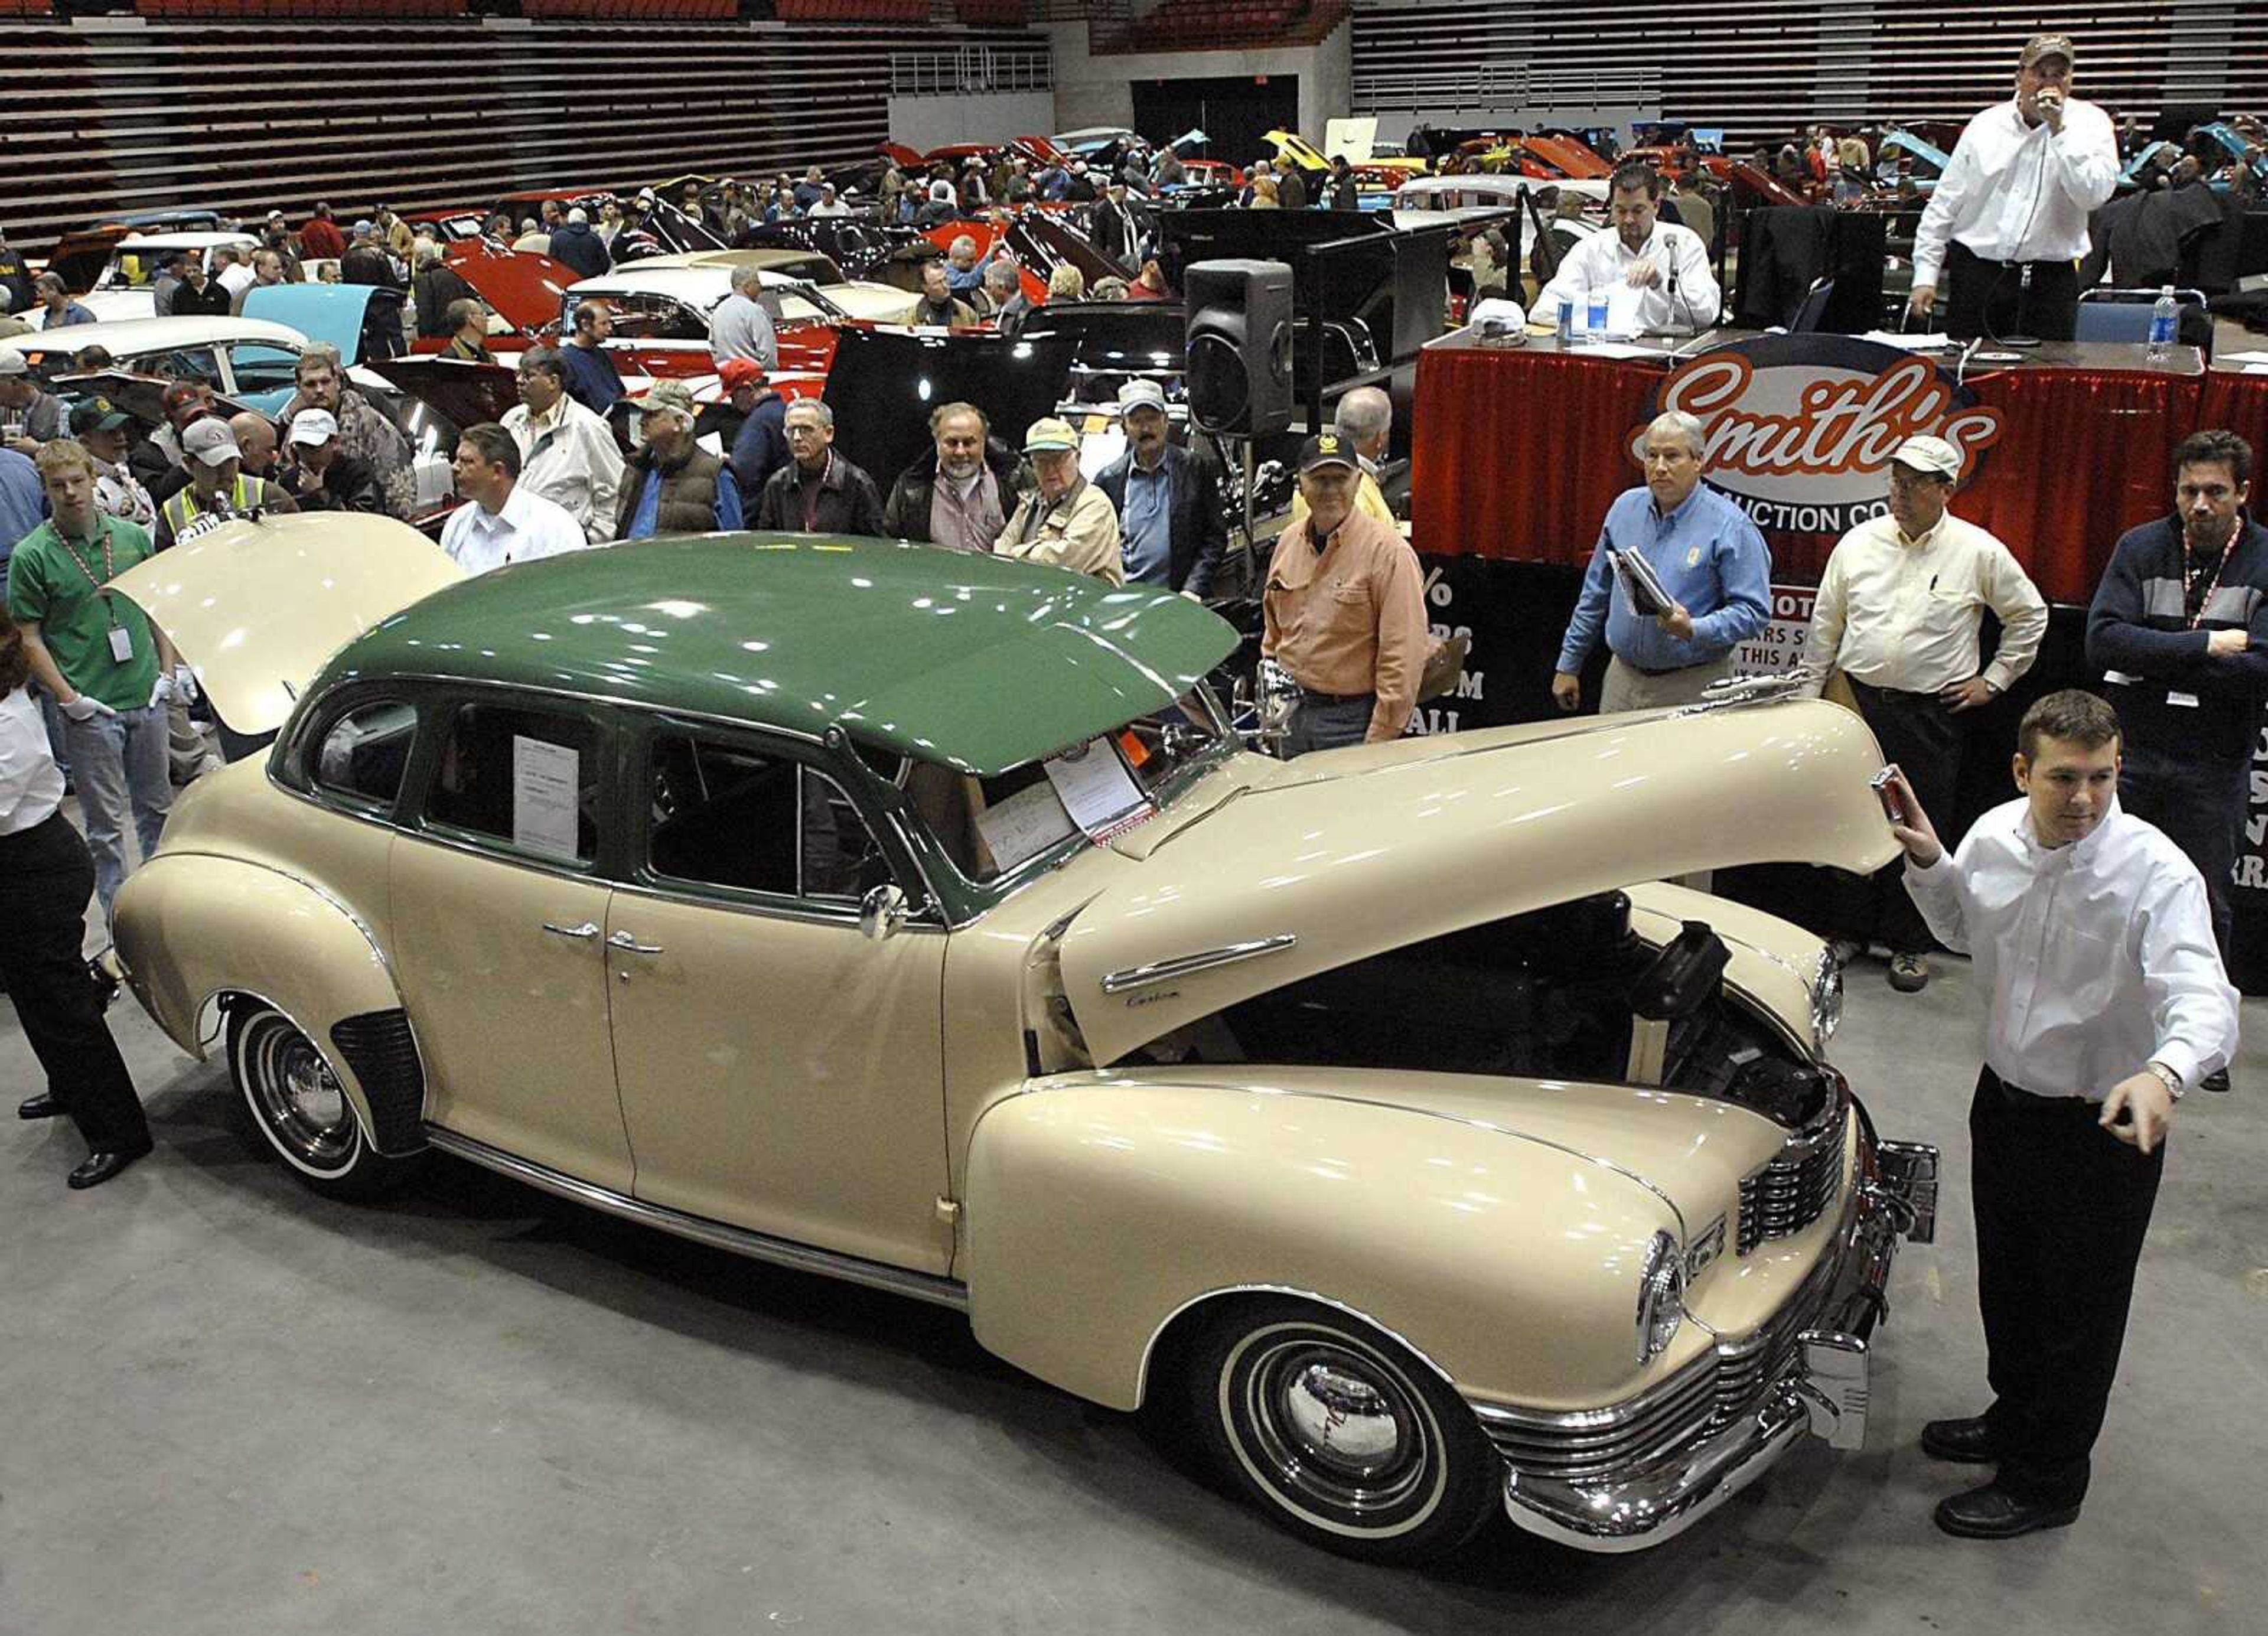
45, 879
2062, 1206
2200, 803
1926, 741
1989, 298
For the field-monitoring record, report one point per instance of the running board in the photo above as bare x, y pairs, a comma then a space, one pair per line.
717, 1234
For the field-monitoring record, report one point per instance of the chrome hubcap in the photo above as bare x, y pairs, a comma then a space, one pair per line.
1335, 1427
298, 1096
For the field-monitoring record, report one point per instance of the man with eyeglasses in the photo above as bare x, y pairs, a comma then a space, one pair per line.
1668, 265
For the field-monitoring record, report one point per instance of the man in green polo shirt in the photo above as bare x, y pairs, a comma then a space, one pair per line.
109, 669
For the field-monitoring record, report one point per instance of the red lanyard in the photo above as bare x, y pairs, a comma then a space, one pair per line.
109, 568
2205, 602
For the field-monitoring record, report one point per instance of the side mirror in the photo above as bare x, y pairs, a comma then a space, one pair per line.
881, 912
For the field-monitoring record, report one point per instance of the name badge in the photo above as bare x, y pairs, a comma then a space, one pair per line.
122, 645
2187, 701
2120, 676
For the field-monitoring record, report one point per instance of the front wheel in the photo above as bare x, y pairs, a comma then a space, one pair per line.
1339, 1433
301, 1111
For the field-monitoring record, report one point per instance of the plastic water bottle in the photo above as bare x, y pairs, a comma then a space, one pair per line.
1567, 320
2163, 318
1598, 314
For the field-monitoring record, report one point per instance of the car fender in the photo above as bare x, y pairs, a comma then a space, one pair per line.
1099, 1206
192, 928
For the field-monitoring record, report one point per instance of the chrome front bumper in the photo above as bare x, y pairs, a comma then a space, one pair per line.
1813, 1381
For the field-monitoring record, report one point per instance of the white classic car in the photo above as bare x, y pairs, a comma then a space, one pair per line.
911, 916
124, 288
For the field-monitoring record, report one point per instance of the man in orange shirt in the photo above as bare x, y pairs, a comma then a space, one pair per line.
1344, 610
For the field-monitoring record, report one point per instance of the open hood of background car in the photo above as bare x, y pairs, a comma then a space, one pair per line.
257, 606
1310, 874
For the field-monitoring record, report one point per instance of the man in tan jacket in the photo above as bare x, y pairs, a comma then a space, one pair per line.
1345, 611
1066, 521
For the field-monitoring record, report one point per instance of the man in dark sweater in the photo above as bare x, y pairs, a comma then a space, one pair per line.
819, 492
2179, 629
760, 446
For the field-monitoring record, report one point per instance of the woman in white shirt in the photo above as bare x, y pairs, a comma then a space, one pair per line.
45, 879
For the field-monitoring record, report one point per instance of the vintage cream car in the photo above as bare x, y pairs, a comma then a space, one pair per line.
912, 916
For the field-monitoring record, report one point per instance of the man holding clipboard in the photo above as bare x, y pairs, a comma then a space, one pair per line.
1680, 577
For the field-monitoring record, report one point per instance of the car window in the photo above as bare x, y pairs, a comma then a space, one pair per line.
196, 364
640, 315
527, 777
363, 752
727, 815
262, 368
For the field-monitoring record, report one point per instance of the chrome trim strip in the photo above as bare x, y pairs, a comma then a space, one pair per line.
1202, 960
941, 1291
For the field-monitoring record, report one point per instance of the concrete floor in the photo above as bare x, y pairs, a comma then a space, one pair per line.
231, 1407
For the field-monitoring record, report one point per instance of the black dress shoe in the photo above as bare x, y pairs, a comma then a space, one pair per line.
38, 1108
1992, 1512
1964, 1442
103, 1164
2217, 1080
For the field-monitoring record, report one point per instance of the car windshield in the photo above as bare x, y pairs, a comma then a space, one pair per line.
134, 266
1018, 822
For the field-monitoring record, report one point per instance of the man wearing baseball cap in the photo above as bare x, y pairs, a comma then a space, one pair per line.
101, 426
2007, 224
216, 488
1344, 613
1167, 498
320, 476
1899, 608
760, 446
672, 485
1065, 521
28, 416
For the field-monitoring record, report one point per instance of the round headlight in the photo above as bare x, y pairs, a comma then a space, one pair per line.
1660, 1297
1826, 1001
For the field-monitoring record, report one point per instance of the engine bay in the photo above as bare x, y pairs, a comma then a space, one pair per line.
1572, 992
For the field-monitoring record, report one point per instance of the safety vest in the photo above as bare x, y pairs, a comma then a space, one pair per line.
183, 509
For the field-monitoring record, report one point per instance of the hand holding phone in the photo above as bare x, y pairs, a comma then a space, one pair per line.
1908, 823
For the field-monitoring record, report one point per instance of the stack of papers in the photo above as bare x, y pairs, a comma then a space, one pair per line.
1911, 344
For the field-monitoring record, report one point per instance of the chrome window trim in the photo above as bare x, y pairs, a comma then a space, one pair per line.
925, 1286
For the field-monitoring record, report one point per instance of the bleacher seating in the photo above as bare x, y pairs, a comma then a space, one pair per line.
34, 9
344, 10
997, 13
1219, 25
853, 11
632, 10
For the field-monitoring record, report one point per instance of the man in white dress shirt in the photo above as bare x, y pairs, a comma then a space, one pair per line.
2006, 224
1667, 264
2105, 998
1898, 612
501, 522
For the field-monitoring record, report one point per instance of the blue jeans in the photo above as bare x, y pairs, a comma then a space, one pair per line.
118, 761
1318, 725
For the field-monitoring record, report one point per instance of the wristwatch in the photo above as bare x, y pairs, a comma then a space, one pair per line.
2167, 1076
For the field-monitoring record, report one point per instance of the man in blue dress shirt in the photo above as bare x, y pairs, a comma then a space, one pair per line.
1708, 557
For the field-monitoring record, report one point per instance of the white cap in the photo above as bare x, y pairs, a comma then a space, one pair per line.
1933, 455
314, 426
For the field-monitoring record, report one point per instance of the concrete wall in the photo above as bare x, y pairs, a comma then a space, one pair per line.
1093, 90
926, 122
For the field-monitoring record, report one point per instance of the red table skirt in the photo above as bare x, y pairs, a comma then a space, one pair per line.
1517, 454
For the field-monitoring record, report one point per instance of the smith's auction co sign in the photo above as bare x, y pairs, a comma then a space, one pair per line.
1800, 428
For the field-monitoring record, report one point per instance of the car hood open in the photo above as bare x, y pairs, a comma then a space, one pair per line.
1312, 871
256, 606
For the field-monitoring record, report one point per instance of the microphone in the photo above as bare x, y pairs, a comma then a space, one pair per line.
1961, 368
2021, 337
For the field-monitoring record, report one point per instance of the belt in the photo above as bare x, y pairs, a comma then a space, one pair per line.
1311, 696
1667, 670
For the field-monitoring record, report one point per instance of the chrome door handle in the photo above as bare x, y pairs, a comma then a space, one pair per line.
588, 929
629, 945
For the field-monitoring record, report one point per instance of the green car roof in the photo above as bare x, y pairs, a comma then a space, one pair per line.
981, 663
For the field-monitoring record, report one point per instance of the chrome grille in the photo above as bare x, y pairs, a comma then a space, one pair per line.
1794, 1189
1706, 1395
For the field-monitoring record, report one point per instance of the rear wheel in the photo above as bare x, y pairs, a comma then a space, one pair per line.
302, 1112
1339, 1432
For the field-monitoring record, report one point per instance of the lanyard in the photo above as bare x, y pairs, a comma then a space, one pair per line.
109, 567
2189, 580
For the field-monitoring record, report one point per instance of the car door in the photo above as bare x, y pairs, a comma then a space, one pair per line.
499, 915
779, 1070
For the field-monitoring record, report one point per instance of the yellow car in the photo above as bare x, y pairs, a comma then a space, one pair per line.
916, 917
